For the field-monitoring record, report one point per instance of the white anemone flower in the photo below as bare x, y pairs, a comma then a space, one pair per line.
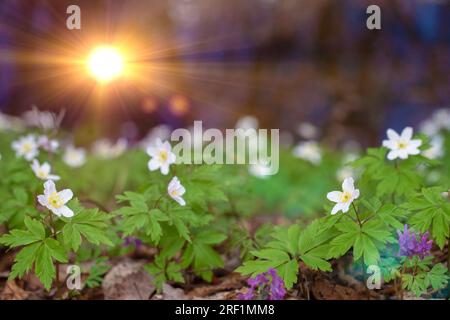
161, 156
437, 148
309, 151
401, 146
307, 130
247, 122
43, 171
345, 197
74, 157
176, 191
56, 201
260, 170
104, 149
442, 118
45, 120
26, 147
49, 145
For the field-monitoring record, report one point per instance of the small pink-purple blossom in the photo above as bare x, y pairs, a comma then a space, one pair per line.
268, 286
412, 243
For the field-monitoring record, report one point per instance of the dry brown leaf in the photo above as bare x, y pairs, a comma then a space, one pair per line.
13, 292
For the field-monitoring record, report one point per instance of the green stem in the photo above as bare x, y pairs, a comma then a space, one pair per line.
357, 216
401, 280
157, 201
53, 230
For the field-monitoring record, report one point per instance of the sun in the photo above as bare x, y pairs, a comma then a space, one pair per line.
105, 63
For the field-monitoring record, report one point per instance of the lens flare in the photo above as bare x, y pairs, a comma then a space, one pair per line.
105, 64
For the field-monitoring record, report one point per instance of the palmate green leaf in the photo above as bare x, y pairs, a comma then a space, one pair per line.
173, 272
24, 260
171, 243
139, 217
15, 238
390, 268
437, 277
289, 272
156, 269
313, 245
276, 256
365, 247
90, 224
431, 212
363, 240
391, 215
376, 229
97, 272
417, 284
201, 255
254, 267
289, 246
341, 244
40, 254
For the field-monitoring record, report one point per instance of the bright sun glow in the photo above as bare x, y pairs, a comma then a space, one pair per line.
105, 63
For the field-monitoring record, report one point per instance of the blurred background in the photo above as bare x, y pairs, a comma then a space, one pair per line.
283, 61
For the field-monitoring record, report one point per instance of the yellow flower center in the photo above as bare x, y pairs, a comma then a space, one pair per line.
402, 145
41, 174
346, 196
26, 147
163, 155
55, 200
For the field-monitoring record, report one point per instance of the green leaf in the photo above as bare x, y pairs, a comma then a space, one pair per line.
96, 272
437, 276
288, 271
277, 257
90, 224
16, 238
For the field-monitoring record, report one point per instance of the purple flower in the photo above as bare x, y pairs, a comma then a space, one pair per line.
412, 243
132, 241
266, 285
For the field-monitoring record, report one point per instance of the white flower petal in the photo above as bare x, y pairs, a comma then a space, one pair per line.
348, 185
153, 164
389, 144
42, 200
49, 187
181, 190
54, 177
166, 146
35, 165
46, 167
152, 151
392, 135
65, 211
336, 208
180, 200
346, 206
403, 154
413, 151
334, 196
55, 211
392, 155
415, 143
164, 169
407, 133
171, 158
66, 195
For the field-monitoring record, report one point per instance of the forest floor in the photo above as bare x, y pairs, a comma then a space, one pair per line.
127, 280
